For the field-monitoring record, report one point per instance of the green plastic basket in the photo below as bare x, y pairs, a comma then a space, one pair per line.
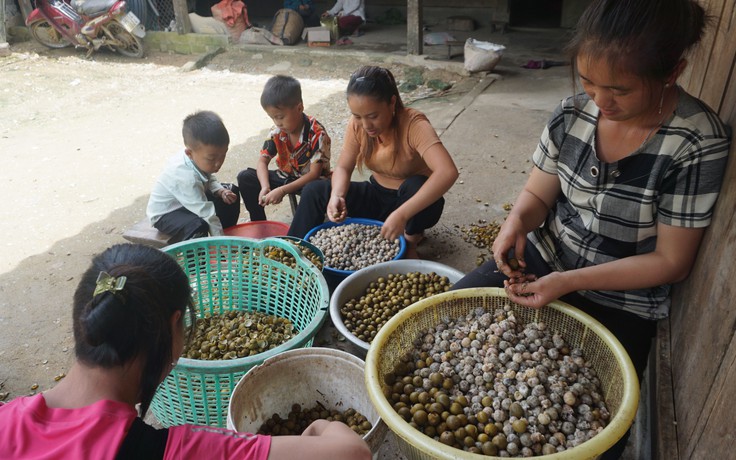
230, 273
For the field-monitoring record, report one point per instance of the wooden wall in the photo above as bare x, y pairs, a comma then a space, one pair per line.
703, 319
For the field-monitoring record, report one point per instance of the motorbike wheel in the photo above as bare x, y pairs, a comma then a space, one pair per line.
45, 34
132, 45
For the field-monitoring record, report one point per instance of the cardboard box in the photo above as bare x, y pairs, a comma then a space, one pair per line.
306, 31
318, 37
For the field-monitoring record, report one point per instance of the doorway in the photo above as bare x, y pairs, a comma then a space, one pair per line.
535, 13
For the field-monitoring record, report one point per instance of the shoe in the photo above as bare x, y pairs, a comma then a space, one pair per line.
344, 41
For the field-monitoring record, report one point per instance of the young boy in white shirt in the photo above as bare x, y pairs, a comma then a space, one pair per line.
187, 200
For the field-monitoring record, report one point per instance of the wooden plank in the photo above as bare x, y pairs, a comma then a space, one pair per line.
703, 320
414, 33
3, 37
693, 78
181, 11
431, 3
718, 71
727, 110
703, 314
144, 233
718, 436
441, 123
664, 438
25, 8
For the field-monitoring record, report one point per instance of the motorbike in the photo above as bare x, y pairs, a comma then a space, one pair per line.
90, 24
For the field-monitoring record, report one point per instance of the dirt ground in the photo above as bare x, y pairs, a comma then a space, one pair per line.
83, 141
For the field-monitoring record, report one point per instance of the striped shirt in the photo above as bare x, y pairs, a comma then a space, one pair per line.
294, 161
608, 211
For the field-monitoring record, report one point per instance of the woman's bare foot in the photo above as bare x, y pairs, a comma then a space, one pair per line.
412, 241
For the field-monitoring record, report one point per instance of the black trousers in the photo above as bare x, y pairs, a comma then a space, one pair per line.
250, 188
182, 224
634, 332
367, 200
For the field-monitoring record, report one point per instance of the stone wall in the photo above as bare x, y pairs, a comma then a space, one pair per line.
185, 44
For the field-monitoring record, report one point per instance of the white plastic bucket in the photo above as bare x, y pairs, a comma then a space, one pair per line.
304, 376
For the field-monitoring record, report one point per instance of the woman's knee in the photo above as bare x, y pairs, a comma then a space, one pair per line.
411, 185
487, 275
426, 218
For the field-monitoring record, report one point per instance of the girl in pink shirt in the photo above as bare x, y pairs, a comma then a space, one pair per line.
128, 319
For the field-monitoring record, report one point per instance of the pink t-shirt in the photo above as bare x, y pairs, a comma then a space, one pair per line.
29, 429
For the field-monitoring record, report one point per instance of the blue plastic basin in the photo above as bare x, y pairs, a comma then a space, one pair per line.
337, 275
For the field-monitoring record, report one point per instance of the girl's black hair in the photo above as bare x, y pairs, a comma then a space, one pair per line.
380, 84
113, 328
647, 38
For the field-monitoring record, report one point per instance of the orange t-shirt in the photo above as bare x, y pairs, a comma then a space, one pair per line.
390, 164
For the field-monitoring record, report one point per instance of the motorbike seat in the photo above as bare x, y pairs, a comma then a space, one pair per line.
92, 7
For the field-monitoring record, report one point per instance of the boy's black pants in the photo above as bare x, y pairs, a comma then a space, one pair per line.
250, 188
182, 224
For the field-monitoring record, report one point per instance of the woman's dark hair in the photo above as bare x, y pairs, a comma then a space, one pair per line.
114, 327
380, 84
281, 91
647, 38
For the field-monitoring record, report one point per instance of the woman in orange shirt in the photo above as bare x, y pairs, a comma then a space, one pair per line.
411, 169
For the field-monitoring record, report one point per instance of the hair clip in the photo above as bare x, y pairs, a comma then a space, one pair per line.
107, 283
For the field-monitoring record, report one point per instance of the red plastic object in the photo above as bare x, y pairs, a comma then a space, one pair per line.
258, 229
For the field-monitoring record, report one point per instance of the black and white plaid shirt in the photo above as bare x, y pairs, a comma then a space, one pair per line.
608, 211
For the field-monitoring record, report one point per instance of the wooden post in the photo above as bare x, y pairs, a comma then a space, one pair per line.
183, 24
3, 37
25, 8
414, 33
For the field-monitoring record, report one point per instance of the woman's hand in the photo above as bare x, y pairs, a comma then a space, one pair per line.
511, 236
530, 291
337, 210
394, 226
273, 197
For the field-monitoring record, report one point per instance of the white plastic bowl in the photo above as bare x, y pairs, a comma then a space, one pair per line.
333, 377
355, 285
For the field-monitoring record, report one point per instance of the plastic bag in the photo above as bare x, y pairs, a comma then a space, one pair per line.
438, 38
234, 15
330, 23
205, 25
482, 56
258, 36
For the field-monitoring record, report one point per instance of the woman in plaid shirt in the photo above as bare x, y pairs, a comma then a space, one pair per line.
625, 177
